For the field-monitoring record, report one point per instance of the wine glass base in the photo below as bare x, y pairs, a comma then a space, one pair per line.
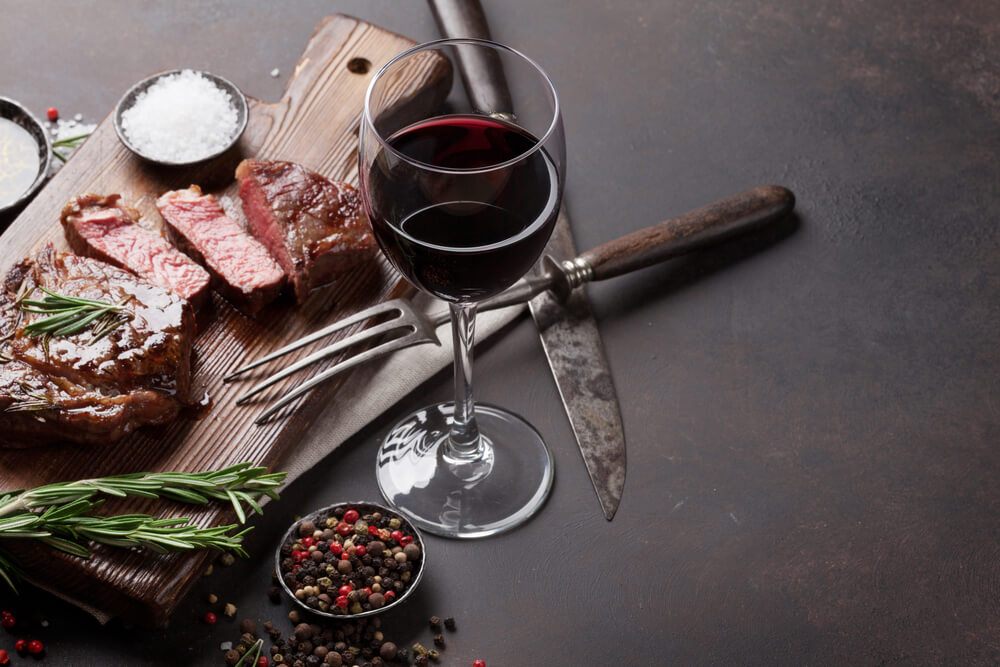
452, 498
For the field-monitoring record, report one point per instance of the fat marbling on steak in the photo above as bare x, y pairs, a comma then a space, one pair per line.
241, 268
314, 227
80, 389
104, 228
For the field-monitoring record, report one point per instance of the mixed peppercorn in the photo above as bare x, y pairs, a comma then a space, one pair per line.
23, 646
347, 563
360, 642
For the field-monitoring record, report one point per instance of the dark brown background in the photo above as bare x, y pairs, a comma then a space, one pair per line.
812, 415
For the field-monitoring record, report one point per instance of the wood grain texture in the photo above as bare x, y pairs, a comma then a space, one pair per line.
703, 226
315, 123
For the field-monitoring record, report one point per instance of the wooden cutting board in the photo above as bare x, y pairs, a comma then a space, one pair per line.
315, 123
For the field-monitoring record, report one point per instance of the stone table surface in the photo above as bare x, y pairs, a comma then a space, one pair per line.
812, 414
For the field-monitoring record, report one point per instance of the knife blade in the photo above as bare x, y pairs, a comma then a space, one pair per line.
567, 328
576, 356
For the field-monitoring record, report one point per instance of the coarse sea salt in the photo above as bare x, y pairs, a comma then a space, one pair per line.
183, 117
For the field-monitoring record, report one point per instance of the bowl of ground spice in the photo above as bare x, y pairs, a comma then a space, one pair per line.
350, 560
181, 117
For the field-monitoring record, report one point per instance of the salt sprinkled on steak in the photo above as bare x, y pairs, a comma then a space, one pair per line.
104, 228
76, 389
312, 226
242, 269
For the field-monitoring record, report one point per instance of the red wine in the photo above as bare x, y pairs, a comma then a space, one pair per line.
474, 215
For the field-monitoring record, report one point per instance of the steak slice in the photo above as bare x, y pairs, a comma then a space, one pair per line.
75, 388
104, 228
312, 226
241, 268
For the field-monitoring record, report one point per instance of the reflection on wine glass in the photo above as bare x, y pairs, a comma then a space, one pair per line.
462, 201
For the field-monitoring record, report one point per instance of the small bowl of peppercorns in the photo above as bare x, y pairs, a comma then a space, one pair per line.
350, 560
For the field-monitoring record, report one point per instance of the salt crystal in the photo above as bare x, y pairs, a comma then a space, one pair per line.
78, 117
183, 117
225, 646
275, 72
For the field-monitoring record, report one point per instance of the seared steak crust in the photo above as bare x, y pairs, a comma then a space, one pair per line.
314, 227
85, 390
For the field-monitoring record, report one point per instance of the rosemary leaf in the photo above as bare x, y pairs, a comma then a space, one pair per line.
9, 572
68, 546
68, 315
60, 515
70, 141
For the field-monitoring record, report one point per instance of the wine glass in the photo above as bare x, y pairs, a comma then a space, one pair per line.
462, 198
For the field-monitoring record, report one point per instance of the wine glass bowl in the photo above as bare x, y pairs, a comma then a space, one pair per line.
462, 200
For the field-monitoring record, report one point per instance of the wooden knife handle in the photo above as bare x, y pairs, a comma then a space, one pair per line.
703, 226
480, 69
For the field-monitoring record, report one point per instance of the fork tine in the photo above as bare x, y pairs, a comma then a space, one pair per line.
330, 350
378, 309
389, 346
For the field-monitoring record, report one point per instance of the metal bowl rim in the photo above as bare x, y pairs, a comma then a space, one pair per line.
352, 505
242, 111
43, 171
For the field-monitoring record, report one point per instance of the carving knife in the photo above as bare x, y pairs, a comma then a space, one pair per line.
567, 328
562, 313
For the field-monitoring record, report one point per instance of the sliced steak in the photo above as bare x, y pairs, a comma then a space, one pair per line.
241, 268
312, 226
104, 228
81, 389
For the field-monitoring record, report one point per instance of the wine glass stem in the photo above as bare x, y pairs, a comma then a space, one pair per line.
463, 441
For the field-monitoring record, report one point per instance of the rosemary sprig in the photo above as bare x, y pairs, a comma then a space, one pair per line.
9, 572
253, 654
68, 315
30, 399
60, 515
237, 484
68, 142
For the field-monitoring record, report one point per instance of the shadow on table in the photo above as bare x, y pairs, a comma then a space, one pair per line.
671, 277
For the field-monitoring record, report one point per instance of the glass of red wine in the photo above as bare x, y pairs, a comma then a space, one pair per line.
462, 179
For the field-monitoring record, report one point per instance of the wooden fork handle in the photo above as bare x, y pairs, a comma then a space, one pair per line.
703, 226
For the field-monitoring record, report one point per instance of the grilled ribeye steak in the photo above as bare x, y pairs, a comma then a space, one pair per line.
314, 227
82, 388
104, 228
242, 269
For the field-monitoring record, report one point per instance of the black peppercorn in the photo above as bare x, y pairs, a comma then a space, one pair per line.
449, 623
439, 640
388, 651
